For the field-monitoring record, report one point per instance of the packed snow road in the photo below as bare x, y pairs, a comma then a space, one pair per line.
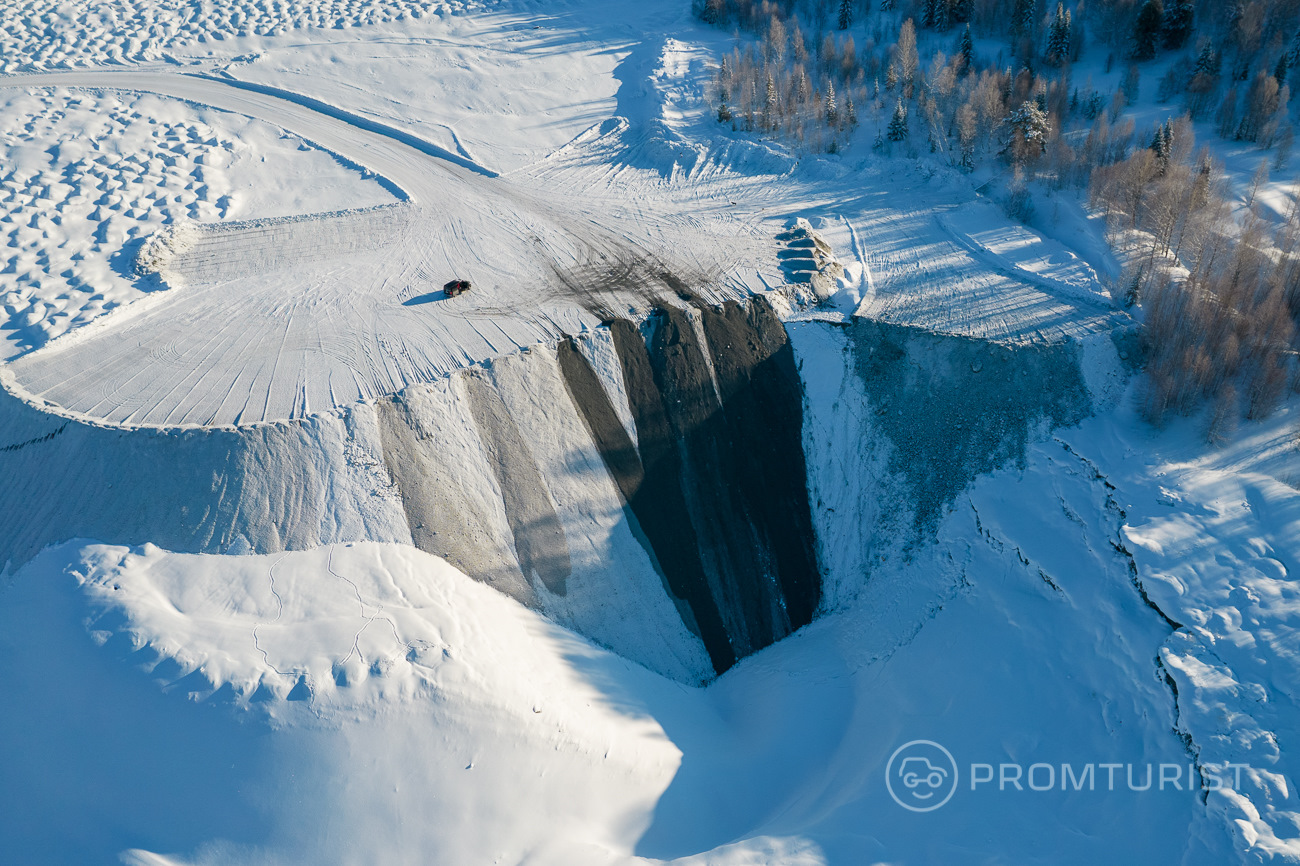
275, 319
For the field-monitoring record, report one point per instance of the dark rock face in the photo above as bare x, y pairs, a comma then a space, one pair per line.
762, 399
718, 484
650, 480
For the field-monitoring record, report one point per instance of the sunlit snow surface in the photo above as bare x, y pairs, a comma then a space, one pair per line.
565, 190
369, 703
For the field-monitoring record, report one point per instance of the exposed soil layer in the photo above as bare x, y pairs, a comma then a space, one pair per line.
540, 545
443, 519
718, 484
762, 399
650, 478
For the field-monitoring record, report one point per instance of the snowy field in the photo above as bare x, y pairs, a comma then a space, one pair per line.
553, 207
125, 165
364, 702
237, 219
52, 33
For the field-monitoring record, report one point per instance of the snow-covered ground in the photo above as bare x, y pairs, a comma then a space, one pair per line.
56, 33
89, 175
597, 196
369, 701
317, 170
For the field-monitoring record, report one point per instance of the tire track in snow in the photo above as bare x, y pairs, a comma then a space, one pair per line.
461, 214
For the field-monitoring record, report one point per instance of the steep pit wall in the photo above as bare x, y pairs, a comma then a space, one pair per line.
900, 420
260, 489
955, 407
685, 490
716, 481
499, 474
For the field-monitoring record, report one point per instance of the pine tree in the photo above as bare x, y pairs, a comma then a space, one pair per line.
1162, 144
850, 113
930, 13
1058, 40
967, 129
962, 10
943, 15
1178, 23
898, 125
832, 108
1280, 71
710, 11
966, 50
1146, 31
1207, 63
1029, 128
1022, 18
846, 14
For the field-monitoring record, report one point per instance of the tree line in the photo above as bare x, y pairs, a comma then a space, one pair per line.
1220, 297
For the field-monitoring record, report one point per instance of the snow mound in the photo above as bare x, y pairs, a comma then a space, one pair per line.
49, 34
90, 175
162, 248
341, 625
485, 731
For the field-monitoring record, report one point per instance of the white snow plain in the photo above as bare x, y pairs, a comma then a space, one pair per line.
123, 165
370, 703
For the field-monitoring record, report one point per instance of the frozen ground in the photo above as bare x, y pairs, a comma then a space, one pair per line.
370, 703
559, 211
87, 176
58, 33
279, 319
487, 733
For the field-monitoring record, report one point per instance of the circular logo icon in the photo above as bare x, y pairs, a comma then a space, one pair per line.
921, 776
